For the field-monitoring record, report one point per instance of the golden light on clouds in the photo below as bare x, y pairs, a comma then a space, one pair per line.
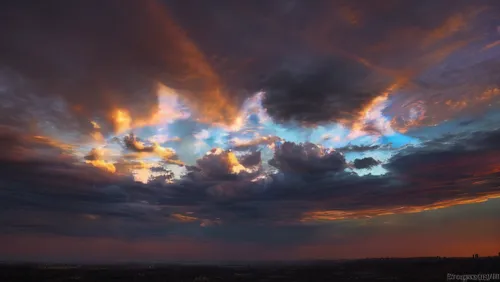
95, 125
183, 218
229, 160
96, 157
372, 112
97, 136
54, 143
102, 164
331, 215
121, 120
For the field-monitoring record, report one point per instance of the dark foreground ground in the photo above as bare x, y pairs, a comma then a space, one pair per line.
415, 269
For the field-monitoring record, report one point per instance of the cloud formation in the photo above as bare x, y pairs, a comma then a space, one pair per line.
359, 114
95, 158
365, 163
254, 143
218, 163
307, 158
330, 90
103, 57
134, 144
216, 197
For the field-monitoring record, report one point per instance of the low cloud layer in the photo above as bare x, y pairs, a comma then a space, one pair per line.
436, 176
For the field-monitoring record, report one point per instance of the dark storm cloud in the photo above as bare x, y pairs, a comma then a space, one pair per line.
306, 158
251, 159
330, 90
365, 163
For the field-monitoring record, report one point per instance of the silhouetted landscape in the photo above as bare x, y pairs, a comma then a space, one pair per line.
382, 269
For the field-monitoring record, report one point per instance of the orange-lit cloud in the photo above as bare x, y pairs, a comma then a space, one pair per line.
183, 218
97, 136
102, 164
55, 143
220, 162
121, 120
491, 45
117, 82
95, 158
134, 144
372, 113
357, 214
452, 25
473, 102
95, 125
261, 140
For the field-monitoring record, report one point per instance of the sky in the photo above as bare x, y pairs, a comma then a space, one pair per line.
168, 130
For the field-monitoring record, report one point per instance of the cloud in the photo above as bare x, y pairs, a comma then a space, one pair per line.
18, 146
465, 156
107, 62
307, 158
251, 159
458, 169
34, 162
330, 90
134, 144
288, 47
125, 166
113, 58
359, 148
93, 155
237, 144
103, 57
219, 163
422, 172
365, 163
95, 158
